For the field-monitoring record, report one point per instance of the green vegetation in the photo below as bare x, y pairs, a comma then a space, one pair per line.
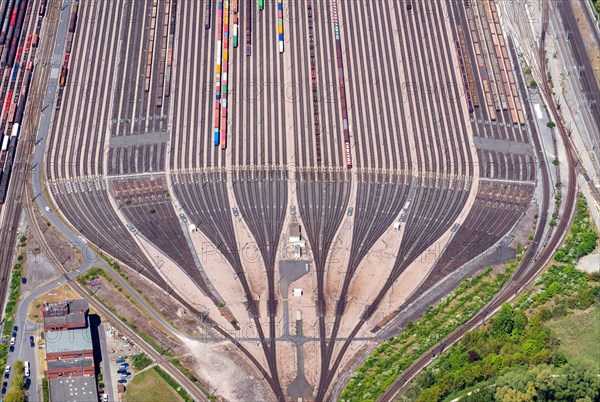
12, 303
390, 358
578, 334
550, 124
527, 70
542, 347
556, 162
17, 390
518, 356
178, 388
533, 84
149, 386
581, 239
140, 361
596, 4
177, 363
91, 274
45, 390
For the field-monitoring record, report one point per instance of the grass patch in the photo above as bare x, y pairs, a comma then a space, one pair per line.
45, 390
579, 336
174, 384
149, 386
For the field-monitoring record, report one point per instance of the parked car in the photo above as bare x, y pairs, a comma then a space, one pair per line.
13, 340
7, 371
26, 369
105, 398
120, 359
31, 341
15, 328
23, 280
122, 381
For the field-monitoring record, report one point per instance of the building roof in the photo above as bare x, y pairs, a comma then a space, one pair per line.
70, 340
70, 363
65, 312
73, 389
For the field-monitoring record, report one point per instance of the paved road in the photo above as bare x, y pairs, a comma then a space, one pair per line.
107, 375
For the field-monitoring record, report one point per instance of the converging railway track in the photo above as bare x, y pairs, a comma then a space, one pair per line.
386, 129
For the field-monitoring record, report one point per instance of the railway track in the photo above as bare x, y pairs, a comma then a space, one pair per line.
534, 260
13, 204
432, 195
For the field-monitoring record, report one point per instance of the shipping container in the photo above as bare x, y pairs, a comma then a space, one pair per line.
15, 130
73, 20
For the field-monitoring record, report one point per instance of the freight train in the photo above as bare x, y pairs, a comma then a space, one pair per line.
8, 162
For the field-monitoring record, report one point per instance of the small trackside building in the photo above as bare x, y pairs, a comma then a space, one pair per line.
69, 314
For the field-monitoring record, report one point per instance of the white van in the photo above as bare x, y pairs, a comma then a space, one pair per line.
26, 369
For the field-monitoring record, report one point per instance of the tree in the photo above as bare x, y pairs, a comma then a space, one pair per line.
503, 323
15, 395
18, 381
551, 124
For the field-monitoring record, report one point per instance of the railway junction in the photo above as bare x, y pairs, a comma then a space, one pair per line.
294, 173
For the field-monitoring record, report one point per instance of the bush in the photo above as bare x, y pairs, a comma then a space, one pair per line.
45, 390
582, 239
140, 361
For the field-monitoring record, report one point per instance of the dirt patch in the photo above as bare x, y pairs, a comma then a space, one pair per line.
226, 374
587, 31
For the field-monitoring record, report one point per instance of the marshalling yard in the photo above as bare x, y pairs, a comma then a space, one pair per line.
294, 173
